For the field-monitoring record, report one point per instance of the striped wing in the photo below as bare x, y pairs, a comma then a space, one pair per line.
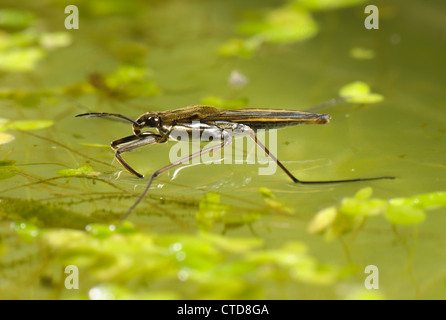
268, 118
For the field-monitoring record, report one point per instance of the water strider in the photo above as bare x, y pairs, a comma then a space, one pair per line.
224, 124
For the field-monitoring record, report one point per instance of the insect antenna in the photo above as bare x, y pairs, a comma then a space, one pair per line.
326, 104
106, 114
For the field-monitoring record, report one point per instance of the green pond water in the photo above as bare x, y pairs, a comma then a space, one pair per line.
222, 231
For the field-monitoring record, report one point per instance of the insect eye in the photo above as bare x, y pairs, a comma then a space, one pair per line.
153, 122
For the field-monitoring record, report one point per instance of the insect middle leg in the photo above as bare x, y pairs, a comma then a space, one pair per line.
227, 140
132, 142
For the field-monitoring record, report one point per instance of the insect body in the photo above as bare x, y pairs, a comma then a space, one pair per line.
222, 123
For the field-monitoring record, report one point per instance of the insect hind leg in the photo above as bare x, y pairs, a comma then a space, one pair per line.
295, 180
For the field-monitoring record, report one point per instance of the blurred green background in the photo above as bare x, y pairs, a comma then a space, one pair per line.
222, 231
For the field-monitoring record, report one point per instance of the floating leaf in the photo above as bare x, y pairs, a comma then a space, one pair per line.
404, 215
364, 193
125, 228
131, 53
373, 207
20, 59
361, 53
23, 38
6, 138
319, 5
86, 170
125, 74
126, 81
145, 88
353, 89
26, 125
108, 8
368, 98
270, 200
285, 25
77, 89
352, 212
27, 231
282, 25
15, 18
28, 98
323, 220
7, 172
100, 231
424, 201
242, 48
266, 193
54, 40
359, 92
342, 224
7, 162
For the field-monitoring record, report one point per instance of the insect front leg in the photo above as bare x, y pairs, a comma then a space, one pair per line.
132, 142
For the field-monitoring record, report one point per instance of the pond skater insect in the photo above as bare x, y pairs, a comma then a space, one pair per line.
224, 123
